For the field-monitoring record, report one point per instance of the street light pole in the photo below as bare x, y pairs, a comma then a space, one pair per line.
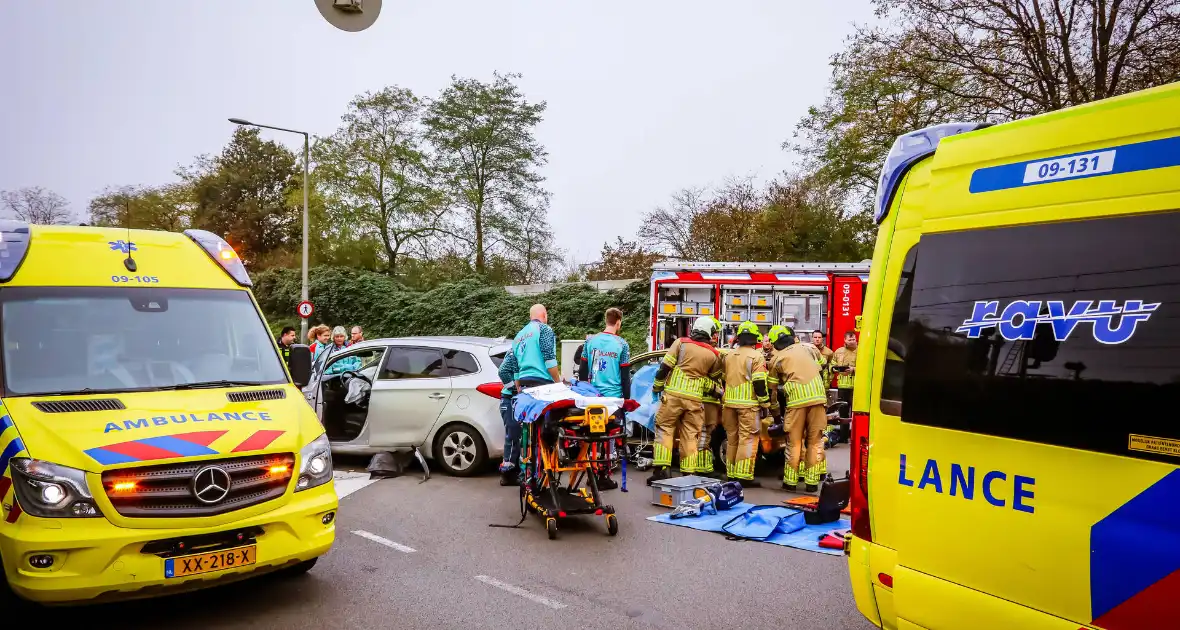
303, 284
303, 287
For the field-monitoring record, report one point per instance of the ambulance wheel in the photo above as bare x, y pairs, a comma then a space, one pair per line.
301, 568
612, 524
551, 527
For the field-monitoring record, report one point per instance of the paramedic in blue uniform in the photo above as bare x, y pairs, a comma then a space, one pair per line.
531, 362
606, 364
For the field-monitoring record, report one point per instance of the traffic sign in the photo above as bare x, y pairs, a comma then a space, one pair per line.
305, 309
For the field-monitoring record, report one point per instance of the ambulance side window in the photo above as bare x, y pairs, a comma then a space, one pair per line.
1060, 333
893, 381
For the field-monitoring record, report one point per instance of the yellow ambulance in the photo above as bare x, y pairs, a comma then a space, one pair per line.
151, 439
1015, 439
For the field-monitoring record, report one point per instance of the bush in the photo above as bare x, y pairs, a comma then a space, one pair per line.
385, 308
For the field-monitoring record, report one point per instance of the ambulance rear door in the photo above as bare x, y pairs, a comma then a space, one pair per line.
1036, 379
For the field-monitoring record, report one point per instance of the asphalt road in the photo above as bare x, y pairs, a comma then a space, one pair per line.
421, 555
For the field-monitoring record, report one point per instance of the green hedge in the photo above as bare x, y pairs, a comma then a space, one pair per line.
384, 308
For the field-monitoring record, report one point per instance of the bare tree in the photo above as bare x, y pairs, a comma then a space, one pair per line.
668, 228
700, 223
34, 204
1025, 57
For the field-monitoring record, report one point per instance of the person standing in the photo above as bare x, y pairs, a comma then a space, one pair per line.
806, 394
285, 340
531, 362
681, 379
780, 338
712, 402
819, 340
358, 335
320, 338
605, 362
844, 364
745, 399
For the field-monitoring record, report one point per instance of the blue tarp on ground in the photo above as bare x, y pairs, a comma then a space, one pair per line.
806, 538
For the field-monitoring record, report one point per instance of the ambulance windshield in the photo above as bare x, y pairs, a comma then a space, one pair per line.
68, 340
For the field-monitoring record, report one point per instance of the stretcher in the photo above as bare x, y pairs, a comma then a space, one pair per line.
567, 437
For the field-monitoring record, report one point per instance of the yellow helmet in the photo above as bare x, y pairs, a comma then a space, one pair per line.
751, 328
779, 331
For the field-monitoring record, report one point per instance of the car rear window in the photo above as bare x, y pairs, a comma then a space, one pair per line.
1063, 333
498, 354
460, 363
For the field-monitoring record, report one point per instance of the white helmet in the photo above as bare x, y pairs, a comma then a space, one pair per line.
706, 325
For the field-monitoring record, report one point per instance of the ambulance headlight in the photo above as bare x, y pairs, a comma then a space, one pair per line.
315, 468
906, 151
50, 490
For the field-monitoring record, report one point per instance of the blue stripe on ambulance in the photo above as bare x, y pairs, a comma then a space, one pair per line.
1126, 158
1134, 547
10, 451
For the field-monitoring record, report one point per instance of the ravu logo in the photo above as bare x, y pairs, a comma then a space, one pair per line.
1019, 319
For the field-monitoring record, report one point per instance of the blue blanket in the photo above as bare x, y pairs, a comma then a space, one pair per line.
806, 538
641, 384
528, 409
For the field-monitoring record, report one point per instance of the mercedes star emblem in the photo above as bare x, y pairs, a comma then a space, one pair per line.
211, 485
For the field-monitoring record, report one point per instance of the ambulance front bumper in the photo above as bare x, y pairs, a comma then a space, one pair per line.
94, 560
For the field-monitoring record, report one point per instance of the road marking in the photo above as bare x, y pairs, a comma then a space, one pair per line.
349, 482
516, 590
384, 541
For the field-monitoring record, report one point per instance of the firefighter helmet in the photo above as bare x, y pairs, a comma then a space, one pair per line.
749, 328
779, 331
706, 326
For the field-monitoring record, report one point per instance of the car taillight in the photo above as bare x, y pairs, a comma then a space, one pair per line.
490, 389
859, 464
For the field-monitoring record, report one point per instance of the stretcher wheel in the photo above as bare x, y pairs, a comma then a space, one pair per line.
551, 527
612, 524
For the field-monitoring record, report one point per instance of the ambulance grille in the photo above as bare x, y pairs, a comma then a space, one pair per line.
166, 491
77, 406
256, 395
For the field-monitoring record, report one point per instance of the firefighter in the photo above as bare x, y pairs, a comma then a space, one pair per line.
745, 400
779, 338
844, 365
680, 382
797, 371
819, 340
712, 402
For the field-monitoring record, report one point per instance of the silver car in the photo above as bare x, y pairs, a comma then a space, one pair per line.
438, 394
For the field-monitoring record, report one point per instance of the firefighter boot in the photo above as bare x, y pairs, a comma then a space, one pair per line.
661, 473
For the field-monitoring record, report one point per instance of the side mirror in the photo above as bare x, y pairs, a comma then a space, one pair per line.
299, 364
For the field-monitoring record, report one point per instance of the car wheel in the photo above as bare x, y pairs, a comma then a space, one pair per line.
460, 450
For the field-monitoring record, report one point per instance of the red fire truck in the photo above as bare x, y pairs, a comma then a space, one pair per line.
804, 296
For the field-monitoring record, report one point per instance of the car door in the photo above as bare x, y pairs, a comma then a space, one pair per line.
410, 392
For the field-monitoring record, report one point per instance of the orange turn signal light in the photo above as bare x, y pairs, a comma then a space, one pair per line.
124, 486
278, 470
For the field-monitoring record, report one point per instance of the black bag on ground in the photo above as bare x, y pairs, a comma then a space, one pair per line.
833, 497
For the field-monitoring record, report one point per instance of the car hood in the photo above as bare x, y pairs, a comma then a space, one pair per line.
160, 427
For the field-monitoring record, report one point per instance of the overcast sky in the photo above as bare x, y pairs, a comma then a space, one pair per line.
645, 97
